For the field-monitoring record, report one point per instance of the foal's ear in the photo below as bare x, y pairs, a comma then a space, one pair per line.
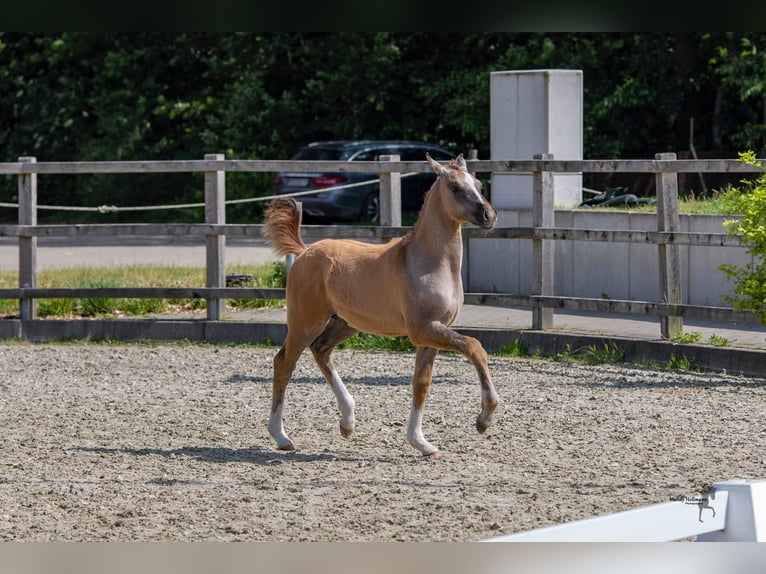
438, 168
460, 161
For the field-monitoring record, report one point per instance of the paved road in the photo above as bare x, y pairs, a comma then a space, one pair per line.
57, 253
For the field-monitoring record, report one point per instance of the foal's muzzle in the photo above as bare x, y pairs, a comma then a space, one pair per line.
486, 216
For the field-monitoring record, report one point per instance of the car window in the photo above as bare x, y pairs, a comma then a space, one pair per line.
374, 154
366, 155
411, 154
317, 154
419, 154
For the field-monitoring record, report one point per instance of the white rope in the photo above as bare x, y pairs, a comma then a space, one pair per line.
115, 209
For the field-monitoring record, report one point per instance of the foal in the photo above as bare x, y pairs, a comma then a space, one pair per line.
334, 291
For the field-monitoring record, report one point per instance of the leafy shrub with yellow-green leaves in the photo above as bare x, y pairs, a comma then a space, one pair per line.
749, 200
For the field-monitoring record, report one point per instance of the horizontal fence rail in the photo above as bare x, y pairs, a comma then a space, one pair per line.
368, 232
542, 299
494, 166
143, 293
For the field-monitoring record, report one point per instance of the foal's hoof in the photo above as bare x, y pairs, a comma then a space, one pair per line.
288, 446
435, 455
482, 424
346, 432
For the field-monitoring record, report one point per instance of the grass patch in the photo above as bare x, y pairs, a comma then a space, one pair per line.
688, 204
271, 276
607, 353
98, 306
682, 363
718, 340
369, 342
261, 276
515, 349
569, 355
687, 338
592, 354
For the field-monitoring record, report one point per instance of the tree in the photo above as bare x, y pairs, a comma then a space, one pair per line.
149, 95
738, 63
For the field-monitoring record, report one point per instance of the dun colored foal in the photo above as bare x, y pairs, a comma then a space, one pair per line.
334, 291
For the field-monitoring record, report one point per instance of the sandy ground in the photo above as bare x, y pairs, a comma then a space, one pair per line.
169, 442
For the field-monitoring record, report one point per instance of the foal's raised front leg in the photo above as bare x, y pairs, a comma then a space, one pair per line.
439, 336
421, 383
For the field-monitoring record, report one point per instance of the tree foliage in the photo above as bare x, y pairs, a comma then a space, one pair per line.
750, 280
149, 95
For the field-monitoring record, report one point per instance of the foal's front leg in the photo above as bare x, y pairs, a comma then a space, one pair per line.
421, 383
437, 335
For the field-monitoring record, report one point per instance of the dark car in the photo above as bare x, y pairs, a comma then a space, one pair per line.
359, 203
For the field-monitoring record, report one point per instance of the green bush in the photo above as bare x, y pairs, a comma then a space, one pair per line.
750, 280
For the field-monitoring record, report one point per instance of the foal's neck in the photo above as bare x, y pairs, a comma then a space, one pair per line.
438, 234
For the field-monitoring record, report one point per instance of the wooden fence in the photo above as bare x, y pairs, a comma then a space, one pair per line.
542, 300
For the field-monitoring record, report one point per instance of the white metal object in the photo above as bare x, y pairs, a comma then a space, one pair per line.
734, 510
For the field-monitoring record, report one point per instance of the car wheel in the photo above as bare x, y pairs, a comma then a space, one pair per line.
371, 209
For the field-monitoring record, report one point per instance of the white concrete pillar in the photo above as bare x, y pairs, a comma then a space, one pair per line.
533, 112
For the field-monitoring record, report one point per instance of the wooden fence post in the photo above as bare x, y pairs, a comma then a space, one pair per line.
473, 154
670, 263
542, 249
215, 245
27, 244
390, 195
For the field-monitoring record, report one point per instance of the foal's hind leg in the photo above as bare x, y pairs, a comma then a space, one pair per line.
284, 365
336, 332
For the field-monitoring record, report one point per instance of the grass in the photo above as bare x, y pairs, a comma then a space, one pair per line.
704, 206
369, 342
682, 363
688, 204
687, 338
607, 353
264, 276
718, 340
696, 337
592, 354
515, 349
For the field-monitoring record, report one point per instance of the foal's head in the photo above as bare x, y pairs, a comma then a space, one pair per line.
461, 193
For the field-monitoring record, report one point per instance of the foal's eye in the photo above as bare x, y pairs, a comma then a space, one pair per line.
460, 187
457, 187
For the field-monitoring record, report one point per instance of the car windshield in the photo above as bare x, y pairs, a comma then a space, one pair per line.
318, 154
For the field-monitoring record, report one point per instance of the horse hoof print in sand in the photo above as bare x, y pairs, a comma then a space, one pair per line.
329, 283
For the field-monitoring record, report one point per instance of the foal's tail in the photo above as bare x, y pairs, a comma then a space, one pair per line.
282, 227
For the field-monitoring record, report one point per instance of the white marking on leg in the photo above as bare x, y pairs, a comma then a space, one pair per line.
489, 402
277, 430
346, 403
415, 433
